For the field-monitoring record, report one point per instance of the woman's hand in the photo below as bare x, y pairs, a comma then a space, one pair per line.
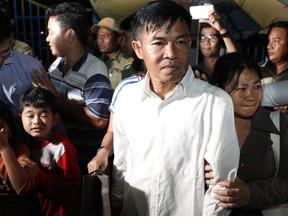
209, 176
200, 76
282, 108
235, 195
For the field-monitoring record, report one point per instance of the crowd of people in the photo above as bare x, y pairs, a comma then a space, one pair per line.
174, 138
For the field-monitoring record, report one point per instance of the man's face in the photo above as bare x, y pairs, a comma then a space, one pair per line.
277, 48
4, 51
107, 41
57, 38
209, 47
166, 54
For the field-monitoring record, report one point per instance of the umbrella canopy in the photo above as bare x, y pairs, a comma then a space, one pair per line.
265, 12
243, 17
115, 8
241, 25
238, 21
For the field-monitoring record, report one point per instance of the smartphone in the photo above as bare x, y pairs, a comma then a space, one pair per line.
200, 11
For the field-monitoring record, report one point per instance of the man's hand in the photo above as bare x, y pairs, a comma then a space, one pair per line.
99, 162
41, 79
214, 20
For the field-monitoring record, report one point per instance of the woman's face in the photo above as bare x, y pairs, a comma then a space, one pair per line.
246, 95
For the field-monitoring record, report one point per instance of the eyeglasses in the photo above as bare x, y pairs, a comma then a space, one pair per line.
5, 54
212, 38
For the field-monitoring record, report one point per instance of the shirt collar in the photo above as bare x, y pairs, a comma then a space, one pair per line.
9, 60
183, 85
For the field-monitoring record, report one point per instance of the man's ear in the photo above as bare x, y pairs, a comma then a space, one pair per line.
71, 35
136, 45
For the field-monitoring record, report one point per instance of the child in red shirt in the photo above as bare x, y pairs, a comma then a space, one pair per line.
54, 163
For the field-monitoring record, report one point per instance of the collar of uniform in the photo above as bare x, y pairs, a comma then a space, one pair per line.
182, 85
117, 56
77, 66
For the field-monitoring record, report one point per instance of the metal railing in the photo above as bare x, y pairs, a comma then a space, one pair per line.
30, 27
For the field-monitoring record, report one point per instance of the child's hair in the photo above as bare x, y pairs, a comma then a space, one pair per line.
40, 98
7, 117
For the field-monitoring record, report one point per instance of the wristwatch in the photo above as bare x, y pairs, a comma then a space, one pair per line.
226, 34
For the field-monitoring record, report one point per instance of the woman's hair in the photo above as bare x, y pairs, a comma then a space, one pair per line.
7, 117
40, 98
230, 66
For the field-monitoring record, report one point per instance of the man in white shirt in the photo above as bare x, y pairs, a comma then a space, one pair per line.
167, 125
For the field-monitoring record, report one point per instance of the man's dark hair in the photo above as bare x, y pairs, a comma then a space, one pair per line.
71, 15
155, 14
39, 98
279, 24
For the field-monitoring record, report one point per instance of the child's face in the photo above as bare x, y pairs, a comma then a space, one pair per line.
38, 122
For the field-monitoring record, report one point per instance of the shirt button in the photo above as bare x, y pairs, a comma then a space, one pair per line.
241, 164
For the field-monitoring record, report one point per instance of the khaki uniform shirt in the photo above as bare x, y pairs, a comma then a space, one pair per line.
115, 66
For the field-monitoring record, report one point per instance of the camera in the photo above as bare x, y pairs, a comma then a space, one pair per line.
200, 11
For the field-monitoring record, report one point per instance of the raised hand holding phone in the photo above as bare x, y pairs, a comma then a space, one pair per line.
201, 11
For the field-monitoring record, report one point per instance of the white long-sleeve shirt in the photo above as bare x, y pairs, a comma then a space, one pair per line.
160, 147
